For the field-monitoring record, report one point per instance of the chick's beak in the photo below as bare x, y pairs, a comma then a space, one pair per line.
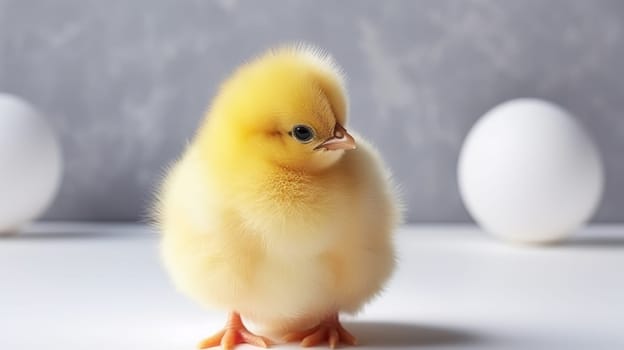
340, 140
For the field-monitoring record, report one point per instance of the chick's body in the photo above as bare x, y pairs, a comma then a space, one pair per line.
282, 231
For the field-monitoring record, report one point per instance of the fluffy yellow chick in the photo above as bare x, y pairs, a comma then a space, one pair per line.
273, 213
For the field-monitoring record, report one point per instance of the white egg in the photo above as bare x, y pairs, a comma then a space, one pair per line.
528, 172
30, 163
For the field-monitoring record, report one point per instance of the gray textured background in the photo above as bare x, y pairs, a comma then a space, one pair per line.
125, 82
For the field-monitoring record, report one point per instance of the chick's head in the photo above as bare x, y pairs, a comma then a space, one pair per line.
287, 107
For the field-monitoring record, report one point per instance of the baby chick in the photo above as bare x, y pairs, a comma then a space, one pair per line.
272, 213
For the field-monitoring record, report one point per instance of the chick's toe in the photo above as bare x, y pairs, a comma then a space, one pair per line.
233, 334
329, 330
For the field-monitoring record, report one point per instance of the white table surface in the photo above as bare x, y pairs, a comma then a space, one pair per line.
88, 286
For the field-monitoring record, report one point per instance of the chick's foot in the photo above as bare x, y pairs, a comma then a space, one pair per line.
329, 330
234, 333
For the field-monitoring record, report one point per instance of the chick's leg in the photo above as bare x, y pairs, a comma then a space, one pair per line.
234, 333
329, 330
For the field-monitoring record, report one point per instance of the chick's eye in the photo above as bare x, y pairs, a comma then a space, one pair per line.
302, 133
